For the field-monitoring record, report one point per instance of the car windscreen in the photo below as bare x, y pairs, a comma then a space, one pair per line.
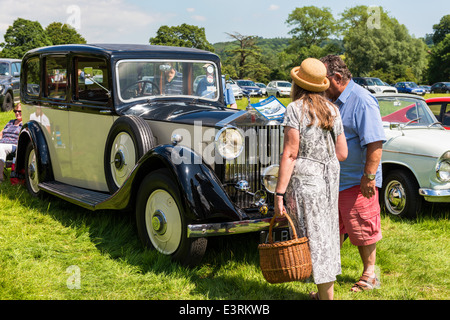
4, 69
414, 112
284, 84
152, 79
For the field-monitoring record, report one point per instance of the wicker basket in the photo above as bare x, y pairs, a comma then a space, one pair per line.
287, 260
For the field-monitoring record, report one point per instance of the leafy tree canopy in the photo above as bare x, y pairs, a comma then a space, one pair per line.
442, 29
184, 35
63, 34
23, 36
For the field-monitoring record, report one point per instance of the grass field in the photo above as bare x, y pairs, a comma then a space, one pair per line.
52, 250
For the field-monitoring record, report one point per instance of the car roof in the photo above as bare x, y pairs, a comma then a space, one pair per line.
399, 95
124, 50
438, 99
10, 60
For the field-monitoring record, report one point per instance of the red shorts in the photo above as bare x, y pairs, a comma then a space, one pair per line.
359, 217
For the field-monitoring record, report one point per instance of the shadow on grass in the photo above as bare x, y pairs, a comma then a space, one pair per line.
114, 235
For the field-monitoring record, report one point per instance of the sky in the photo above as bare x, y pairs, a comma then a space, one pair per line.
136, 21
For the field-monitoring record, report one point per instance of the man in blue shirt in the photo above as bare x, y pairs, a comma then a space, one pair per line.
361, 176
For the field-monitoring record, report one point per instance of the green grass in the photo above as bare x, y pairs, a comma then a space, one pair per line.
42, 240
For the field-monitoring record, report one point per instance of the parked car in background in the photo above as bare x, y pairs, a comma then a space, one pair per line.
374, 85
263, 88
249, 88
427, 88
440, 87
237, 91
409, 87
108, 132
279, 88
9, 83
441, 109
416, 155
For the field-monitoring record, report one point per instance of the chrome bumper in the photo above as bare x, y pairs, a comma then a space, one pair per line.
230, 228
435, 195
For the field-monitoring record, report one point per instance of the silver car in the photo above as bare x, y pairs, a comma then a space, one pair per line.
279, 88
416, 155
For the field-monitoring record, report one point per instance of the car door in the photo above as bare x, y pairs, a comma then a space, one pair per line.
90, 119
52, 113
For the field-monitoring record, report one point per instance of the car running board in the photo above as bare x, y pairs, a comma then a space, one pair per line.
92, 200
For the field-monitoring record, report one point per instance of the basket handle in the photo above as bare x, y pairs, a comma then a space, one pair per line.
294, 232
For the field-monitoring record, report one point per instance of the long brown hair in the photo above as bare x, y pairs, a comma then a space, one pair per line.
318, 106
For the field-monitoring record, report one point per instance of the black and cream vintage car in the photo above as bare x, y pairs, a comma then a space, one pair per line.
145, 128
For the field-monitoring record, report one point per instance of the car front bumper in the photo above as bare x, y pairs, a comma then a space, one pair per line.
434, 195
231, 228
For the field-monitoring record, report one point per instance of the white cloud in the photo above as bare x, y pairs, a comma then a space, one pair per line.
274, 7
190, 9
99, 21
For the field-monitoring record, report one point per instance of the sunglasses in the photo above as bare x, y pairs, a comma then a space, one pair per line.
17, 111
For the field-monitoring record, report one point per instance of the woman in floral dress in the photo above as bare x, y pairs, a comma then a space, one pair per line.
314, 143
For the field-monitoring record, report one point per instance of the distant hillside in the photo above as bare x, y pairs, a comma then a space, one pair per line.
267, 46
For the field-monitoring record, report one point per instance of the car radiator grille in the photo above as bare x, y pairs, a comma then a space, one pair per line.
263, 147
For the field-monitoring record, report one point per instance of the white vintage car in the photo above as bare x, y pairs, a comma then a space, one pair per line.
416, 155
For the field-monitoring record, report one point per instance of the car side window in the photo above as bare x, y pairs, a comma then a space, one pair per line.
56, 77
14, 69
33, 77
91, 79
446, 115
436, 109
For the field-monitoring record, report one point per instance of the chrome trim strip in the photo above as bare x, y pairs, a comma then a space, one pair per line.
231, 228
411, 154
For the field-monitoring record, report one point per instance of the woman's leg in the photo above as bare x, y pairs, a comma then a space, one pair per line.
325, 291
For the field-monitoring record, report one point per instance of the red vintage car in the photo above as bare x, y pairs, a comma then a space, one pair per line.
441, 109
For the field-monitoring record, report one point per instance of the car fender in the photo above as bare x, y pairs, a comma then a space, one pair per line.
202, 192
31, 131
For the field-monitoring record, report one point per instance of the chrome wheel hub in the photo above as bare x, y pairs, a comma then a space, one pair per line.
395, 197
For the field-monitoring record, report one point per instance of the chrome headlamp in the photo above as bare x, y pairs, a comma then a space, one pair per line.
270, 178
443, 168
229, 142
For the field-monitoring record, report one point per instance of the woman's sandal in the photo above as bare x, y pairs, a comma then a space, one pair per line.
365, 283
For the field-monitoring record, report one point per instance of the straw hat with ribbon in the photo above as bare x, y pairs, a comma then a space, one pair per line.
311, 75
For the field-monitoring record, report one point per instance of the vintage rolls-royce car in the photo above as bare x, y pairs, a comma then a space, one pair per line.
145, 127
416, 155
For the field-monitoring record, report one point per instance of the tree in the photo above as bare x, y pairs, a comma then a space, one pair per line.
312, 25
23, 36
63, 34
439, 67
184, 35
312, 30
384, 49
245, 57
441, 29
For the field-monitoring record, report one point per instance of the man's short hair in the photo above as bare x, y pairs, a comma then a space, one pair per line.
336, 65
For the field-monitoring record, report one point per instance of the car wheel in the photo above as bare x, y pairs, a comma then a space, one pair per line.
128, 140
400, 194
8, 102
161, 221
31, 171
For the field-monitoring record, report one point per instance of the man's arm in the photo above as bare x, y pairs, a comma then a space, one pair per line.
373, 158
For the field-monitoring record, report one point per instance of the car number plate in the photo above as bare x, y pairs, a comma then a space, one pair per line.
279, 234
